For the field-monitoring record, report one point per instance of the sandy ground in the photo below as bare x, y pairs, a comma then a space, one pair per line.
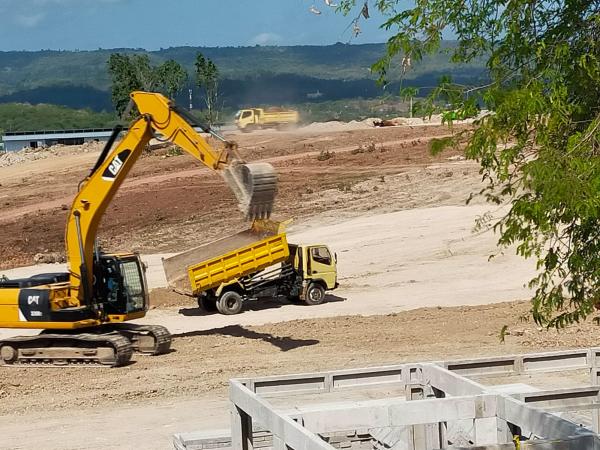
390, 263
144, 403
167, 201
397, 219
387, 263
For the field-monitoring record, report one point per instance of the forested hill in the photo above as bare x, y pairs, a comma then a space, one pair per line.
250, 74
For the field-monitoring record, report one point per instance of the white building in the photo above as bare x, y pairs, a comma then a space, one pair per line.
36, 139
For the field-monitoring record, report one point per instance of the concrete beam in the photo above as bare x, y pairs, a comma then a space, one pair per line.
527, 363
399, 414
538, 422
320, 382
449, 382
259, 411
564, 400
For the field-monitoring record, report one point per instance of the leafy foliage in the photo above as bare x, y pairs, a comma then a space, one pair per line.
540, 148
171, 77
207, 79
24, 117
134, 73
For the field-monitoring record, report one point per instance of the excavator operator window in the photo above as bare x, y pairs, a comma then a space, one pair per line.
109, 288
133, 286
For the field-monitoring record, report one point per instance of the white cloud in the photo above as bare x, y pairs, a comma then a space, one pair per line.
29, 20
265, 39
30, 13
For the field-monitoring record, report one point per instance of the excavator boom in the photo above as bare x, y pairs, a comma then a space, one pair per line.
254, 184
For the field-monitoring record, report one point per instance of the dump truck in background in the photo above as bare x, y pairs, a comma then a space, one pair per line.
251, 265
256, 118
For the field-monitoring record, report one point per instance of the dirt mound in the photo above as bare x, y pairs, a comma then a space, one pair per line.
34, 154
324, 127
12, 158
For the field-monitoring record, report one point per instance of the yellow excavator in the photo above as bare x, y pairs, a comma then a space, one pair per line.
83, 313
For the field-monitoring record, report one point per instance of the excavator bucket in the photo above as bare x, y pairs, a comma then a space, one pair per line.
255, 186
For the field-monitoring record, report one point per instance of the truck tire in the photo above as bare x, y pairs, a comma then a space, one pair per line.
315, 294
206, 303
230, 303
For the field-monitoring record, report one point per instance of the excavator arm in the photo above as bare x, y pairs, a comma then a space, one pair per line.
254, 185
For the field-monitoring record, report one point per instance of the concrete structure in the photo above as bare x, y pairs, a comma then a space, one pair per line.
417, 406
37, 139
13, 142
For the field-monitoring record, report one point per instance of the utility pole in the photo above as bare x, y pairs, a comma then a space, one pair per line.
191, 106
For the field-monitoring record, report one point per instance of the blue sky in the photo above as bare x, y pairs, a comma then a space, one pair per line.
152, 24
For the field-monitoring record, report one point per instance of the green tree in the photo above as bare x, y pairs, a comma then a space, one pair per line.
540, 148
207, 79
134, 72
171, 77
128, 73
26, 117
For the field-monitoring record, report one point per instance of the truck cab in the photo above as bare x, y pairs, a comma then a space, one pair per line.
245, 117
316, 267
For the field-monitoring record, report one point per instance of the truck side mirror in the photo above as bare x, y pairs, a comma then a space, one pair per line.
335, 257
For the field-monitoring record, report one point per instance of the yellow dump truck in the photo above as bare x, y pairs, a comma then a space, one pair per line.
255, 264
255, 118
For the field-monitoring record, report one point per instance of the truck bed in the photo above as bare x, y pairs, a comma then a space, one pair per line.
279, 117
241, 254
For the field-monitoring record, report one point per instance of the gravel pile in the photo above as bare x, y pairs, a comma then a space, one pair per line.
33, 154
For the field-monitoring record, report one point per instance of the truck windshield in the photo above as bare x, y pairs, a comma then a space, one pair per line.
237, 115
321, 255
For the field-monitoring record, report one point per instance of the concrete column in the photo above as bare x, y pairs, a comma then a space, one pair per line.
486, 431
419, 436
241, 429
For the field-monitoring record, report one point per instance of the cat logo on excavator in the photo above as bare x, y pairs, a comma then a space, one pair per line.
115, 165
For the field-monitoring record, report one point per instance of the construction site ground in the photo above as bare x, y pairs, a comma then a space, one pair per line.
412, 271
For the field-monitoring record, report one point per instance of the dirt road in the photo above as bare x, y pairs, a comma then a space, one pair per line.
387, 263
390, 263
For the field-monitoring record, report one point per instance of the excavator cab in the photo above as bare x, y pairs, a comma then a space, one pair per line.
120, 284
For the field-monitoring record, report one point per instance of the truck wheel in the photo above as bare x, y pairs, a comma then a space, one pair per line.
315, 294
208, 304
230, 303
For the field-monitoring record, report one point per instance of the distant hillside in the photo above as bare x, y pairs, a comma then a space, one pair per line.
250, 74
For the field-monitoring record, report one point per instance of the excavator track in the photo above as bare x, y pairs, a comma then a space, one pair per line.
146, 339
66, 349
